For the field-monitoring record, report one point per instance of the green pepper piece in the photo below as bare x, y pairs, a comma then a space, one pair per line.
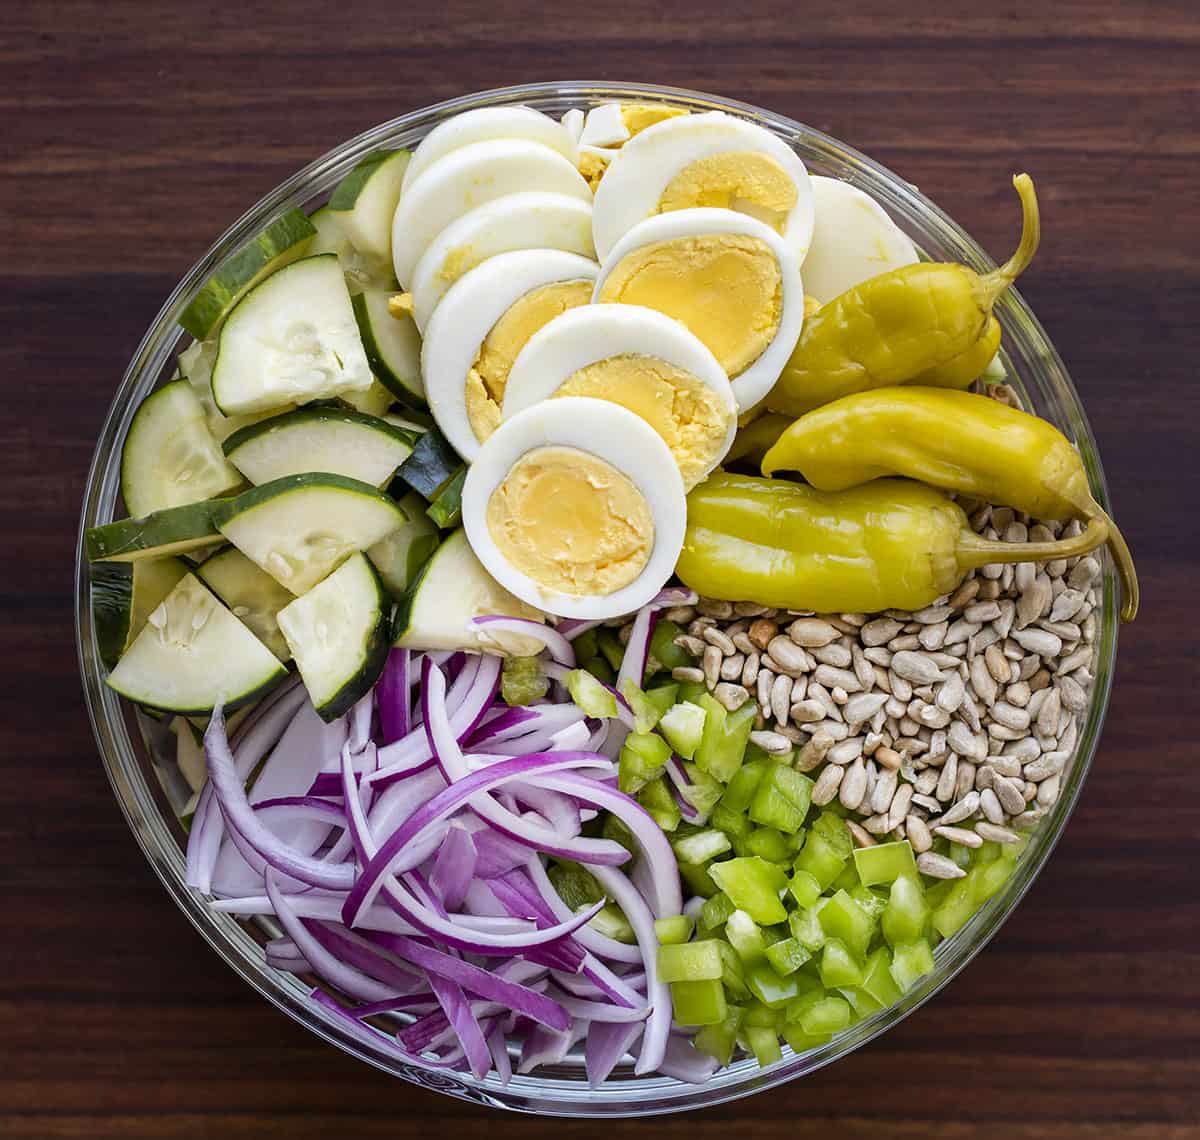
590, 695
910, 962
820, 859
843, 919
683, 726
726, 734
955, 910
860, 1001
891, 543
801, 1042
806, 927
611, 921
988, 878
642, 758
745, 937
787, 956
804, 888
884, 863
701, 846
689, 961
719, 1040
586, 645
768, 844
743, 784
648, 706
874, 904
610, 646
961, 442
699, 1002
733, 823
733, 973
893, 327
907, 913
754, 885
763, 1043
838, 966
715, 912
657, 799
663, 648
820, 1014
575, 886
772, 990
677, 928
522, 681
878, 980
600, 669
782, 798
698, 880
764, 1017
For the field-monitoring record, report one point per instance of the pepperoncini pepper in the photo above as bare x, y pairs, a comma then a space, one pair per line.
891, 544
753, 441
958, 441
922, 323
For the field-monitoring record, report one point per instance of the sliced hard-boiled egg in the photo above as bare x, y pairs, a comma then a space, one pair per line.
639, 358
575, 506
853, 240
612, 124
729, 278
594, 161
468, 178
531, 220
711, 159
573, 122
486, 123
481, 326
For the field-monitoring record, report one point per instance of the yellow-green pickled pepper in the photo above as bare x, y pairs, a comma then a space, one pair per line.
891, 544
958, 441
921, 323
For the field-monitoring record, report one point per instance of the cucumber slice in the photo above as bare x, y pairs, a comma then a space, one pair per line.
366, 201
302, 527
189, 752
412, 420
123, 596
375, 401
338, 635
290, 339
193, 654
252, 595
319, 439
400, 556
446, 508
284, 240
432, 464
392, 345
173, 531
170, 457
195, 366
450, 590
360, 273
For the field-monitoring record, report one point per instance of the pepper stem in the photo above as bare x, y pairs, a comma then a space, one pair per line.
993, 284
1122, 556
972, 551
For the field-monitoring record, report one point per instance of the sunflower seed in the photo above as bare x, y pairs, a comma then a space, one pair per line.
711, 663
680, 615
1084, 573
720, 639
863, 706
1073, 661
993, 833
812, 632
966, 743
690, 645
960, 835
1072, 695
773, 743
1010, 716
938, 866
879, 632
948, 779
687, 674
751, 609
827, 785
854, 784
714, 608
1009, 766
781, 694
990, 806
830, 676
950, 695
918, 834
916, 668
731, 696
1009, 794
1038, 641
883, 792
1047, 793
731, 667
814, 751
861, 837
963, 809
901, 802
1047, 717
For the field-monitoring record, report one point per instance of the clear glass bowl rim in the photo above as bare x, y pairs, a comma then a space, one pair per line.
1044, 379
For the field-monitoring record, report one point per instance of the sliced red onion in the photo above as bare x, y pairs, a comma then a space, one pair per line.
571, 628
394, 695
637, 649
544, 1046
658, 1024
454, 867
599, 944
561, 812
559, 647
355, 951
686, 1063
498, 1047
601, 1010
607, 1043
423, 1002
359, 721
349, 1023
326, 907
302, 807
496, 853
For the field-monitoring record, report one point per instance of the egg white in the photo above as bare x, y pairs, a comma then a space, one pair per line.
604, 126
754, 382
530, 220
468, 178
467, 313
641, 171
611, 433
589, 333
572, 122
853, 240
486, 123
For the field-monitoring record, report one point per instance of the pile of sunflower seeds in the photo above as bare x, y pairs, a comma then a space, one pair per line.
958, 720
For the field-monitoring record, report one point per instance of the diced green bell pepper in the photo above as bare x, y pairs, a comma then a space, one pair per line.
610, 647
698, 880
955, 910
754, 885
715, 912
806, 927
590, 695
612, 922
745, 936
675, 929
742, 785
719, 1040
642, 758
878, 980
884, 863
733, 823
802, 1042
772, 990
804, 888
910, 962
820, 859
663, 648
702, 791
819, 1014
600, 669
575, 886
612, 828
848, 879
843, 919
689, 961
988, 878
586, 645
860, 1001
768, 844
763, 1016
763, 1043
906, 915
648, 706
871, 901
838, 966
787, 956
522, 681
701, 846
699, 1003
726, 734
832, 827
782, 798
683, 724
657, 798
733, 972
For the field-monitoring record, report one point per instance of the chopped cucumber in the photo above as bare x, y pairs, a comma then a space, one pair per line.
290, 339
123, 596
451, 589
173, 531
194, 654
284, 240
445, 510
359, 271
392, 345
251, 593
338, 634
302, 527
375, 401
365, 202
319, 439
432, 464
400, 556
195, 366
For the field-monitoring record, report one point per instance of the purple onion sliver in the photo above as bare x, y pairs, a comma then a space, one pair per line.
607, 1042
685, 1062
498, 1046
454, 867
558, 646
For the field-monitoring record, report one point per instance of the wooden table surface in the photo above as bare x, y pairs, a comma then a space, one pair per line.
133, 133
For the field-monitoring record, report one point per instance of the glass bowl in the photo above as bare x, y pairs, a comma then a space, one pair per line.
151, 790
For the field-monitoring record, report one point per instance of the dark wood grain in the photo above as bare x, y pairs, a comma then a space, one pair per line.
132, 133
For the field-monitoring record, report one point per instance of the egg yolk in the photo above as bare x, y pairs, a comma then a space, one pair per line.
571, 522
683, 410
638, 116
488, 376
727, 288
747, 181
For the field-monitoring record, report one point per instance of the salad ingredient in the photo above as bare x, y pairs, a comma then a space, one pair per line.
965, 368
124, 595
392, 345
365, 200
517, 508
469, 177
400, 556
891, 543
301, 527
756, 438
175, 530
193, 654
445, 510
853, 240
532, 219
360, 272
448, 593
290, 339
612, 124
641, 360
251, 594
432, 464
956, 440
731, 279
480, 327
325, 439
285, 239
338, 635
712, 159
170, 457
897, 326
